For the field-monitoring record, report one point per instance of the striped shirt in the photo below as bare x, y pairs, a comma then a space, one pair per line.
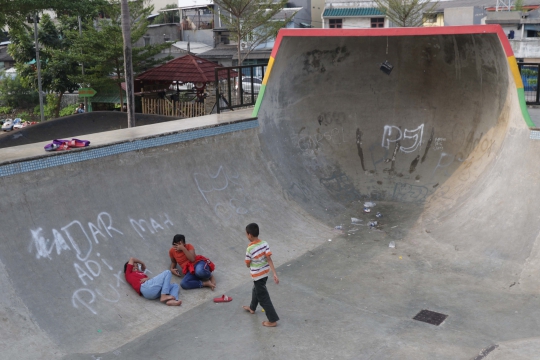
256, 254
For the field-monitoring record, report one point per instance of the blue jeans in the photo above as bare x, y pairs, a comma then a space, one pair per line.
195, 281
160, 285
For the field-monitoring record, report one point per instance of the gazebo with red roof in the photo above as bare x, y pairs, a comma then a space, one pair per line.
185, 69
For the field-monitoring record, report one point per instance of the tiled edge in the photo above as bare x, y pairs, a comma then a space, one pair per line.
89, 154
535, 135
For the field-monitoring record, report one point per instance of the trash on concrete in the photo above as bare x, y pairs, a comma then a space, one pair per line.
329, 239
392, 245
339, 227
379, 215
367, 210
355, 220
369, 204
372, 224
395, 226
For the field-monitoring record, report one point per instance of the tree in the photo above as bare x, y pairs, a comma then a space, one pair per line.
251, 22
58, 69
101, 47
406, 13
13, 12
14, 95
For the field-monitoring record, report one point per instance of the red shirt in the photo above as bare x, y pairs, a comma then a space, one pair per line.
179, 256
134, 278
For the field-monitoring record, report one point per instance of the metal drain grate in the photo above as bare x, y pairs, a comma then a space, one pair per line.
430, 317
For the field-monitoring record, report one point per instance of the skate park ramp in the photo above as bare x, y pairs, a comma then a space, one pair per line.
440, 147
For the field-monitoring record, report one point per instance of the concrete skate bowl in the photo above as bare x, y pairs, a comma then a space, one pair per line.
440, 145
75, 125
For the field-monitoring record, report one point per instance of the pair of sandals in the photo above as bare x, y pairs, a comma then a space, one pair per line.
59, 144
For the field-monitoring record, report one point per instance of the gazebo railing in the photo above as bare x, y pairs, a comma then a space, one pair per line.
172, 108
235, 91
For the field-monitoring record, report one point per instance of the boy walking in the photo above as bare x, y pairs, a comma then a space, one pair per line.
258, 259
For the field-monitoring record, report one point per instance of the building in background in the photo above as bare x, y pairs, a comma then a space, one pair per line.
351, 15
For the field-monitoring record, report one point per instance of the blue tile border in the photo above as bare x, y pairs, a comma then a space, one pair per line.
535, 135
108, 150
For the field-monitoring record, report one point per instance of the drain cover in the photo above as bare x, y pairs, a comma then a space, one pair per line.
430, 317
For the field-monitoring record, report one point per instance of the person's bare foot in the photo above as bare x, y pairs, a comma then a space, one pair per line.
209, 284
269, 324
248, 309
213, 280
165, 298
174, 302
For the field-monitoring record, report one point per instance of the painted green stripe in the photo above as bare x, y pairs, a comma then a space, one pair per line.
259, 101
523, 105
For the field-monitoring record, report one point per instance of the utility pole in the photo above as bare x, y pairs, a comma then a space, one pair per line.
128, 64
82, 65
38, 68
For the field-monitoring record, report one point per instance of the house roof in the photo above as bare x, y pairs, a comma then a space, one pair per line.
189, 68
481, 3
231, 52
194, 47
345, 12
4, 56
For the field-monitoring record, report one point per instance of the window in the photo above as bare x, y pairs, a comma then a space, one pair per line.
146, 40
336, 23
377, 22
431, 18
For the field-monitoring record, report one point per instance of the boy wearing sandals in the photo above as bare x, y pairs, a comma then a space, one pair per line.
259, 261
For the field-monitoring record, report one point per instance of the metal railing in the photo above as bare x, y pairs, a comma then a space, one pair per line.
238, 86
530, 75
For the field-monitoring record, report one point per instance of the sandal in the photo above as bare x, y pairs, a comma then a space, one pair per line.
222, 298
76, 143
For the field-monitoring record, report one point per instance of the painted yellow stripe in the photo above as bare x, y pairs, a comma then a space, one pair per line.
268, 70
515, 71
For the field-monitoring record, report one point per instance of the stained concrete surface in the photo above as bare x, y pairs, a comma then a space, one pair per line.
441, 148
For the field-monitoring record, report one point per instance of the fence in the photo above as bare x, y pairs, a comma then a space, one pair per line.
238, 91
530, 77
172, 108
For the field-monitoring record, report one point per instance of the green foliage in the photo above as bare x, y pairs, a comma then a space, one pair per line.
529, 72
49, 107
68, 110
251, 22
168, 17
58, 68
101, 49
13, 12
5, 110
518, 5
24, 116
409, 13
14, 94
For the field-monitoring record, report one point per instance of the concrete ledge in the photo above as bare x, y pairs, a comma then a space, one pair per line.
32, 157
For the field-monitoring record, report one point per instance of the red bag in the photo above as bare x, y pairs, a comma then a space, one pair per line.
190, 266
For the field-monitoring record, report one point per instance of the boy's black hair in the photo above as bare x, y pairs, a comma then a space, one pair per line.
125, 266
253, 229
178, 238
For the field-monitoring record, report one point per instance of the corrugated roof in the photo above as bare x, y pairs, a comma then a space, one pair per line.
344, 12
